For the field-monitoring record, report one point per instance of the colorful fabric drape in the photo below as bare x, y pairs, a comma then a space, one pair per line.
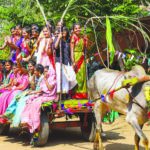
110, 117
8, 96
18, 103
24, 50
52, 61
79, 63
14, 53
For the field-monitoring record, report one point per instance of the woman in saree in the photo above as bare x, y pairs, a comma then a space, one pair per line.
31, 114
32, 45
45, 55
20, 83
9, 41
13, 33
18, 103
14, 43
8, 77
9, 114
77, 57
2, 70
25, 48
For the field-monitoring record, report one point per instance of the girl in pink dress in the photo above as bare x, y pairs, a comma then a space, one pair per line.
31, 113
20, 83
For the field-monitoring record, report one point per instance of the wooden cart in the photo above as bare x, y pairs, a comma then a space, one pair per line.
86, 121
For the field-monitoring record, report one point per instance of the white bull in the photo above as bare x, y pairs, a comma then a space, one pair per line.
133, 105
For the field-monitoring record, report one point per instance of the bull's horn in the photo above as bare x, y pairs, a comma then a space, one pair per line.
144, 78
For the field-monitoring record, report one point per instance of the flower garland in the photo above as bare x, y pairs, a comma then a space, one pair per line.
79, 107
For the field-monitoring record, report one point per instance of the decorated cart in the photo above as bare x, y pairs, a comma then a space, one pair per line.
79, 109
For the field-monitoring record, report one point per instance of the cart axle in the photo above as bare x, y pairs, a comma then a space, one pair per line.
67, 124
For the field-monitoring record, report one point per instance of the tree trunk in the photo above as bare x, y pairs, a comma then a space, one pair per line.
117, 47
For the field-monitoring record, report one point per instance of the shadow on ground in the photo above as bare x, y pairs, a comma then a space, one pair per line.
70, 136
15, 136
120, 146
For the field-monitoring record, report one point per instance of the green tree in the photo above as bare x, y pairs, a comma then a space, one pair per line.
27, 12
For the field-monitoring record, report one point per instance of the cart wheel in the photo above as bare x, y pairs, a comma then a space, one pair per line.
89, 131
4, 129
44, 130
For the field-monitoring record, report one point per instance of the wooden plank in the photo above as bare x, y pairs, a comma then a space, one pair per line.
67, 124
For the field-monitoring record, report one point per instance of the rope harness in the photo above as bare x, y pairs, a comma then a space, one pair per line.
135, 101
126, 87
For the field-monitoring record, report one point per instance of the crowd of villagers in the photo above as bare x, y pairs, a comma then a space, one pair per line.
31, 76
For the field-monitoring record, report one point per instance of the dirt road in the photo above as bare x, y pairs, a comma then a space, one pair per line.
119, 136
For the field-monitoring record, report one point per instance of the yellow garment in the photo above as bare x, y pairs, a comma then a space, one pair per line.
147, 93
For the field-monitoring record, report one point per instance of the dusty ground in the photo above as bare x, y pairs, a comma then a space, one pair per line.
119, 136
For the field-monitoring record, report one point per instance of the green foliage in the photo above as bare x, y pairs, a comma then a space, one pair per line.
26, 12
129, 62
4, 55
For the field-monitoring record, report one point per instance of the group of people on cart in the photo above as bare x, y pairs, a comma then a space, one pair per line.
32, 76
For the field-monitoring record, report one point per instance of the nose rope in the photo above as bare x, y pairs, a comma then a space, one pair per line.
135, 101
